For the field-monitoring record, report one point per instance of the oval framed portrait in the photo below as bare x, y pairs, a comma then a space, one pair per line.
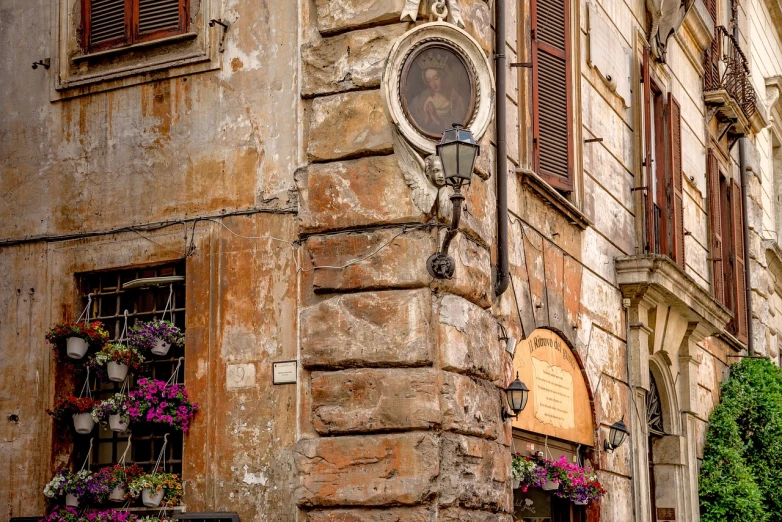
437, 89
437, 75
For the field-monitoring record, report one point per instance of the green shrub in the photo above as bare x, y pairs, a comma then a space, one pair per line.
742, 466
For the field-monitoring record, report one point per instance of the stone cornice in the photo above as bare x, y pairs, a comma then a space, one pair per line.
660, 280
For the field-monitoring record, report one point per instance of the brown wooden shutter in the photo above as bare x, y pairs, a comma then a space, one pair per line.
715, 218
157, 18
105, 23
675, 169
739, 283
648, 167
551, 92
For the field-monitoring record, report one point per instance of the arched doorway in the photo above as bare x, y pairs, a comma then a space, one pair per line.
656, 430
557, 422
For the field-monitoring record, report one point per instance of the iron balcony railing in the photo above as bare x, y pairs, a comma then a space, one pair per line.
727, 69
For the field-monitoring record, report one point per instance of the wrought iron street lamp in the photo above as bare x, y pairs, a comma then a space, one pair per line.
457, 152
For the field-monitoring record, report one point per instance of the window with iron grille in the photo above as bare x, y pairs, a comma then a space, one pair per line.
116, 23
109, 301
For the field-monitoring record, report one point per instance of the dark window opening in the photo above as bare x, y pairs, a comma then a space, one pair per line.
109, 301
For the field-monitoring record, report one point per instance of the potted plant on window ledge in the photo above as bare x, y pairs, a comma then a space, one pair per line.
156, 336
76, 339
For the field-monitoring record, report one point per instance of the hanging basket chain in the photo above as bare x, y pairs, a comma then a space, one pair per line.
161, 455
86, 312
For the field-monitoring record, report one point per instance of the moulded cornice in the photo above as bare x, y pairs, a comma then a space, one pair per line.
657, 278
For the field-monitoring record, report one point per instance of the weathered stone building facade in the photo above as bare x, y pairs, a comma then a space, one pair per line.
256, 149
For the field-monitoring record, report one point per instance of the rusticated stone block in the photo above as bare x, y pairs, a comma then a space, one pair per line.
347, 194
472, 277
475, 474
376, 470
367, 400
416, 514
456, 514
389, 328
468, 340
349, 61
470, 406
380, 259
338, 15
347, 125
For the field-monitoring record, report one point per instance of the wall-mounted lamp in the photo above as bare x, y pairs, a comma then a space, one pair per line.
457, 151
517, 394
616, 436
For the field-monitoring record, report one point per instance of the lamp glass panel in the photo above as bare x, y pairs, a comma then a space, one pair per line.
524, 398
467, 154
449, 157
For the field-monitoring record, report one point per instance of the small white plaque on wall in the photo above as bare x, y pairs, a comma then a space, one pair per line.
609, 55
284, 372
239, 376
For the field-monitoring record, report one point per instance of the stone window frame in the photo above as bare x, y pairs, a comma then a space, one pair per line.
79, 73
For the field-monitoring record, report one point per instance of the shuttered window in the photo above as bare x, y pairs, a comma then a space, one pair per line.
727, 245
663, 176
117, 23
715, 221
551, 92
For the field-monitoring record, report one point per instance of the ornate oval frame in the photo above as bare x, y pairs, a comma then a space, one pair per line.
467, 49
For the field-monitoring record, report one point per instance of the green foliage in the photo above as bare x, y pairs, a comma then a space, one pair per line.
742, 466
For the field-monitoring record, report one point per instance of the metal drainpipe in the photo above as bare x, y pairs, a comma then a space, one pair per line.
503, 277
745, 231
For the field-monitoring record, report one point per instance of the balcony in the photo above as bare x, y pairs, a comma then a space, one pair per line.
727, 88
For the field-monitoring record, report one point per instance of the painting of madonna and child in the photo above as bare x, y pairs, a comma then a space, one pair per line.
437, 91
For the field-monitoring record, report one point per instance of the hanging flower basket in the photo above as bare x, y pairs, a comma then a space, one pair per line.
156, 337
113, 480
63, 514
565, 479
74, 487
577, 483
109, 515
117, 359
116, 412
157, 489
76, 409
526, 473
74, 340
161, 403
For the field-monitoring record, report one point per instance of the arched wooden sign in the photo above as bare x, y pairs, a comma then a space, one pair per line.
558, 403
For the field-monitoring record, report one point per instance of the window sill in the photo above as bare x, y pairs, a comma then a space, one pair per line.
129, 48
554, 199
